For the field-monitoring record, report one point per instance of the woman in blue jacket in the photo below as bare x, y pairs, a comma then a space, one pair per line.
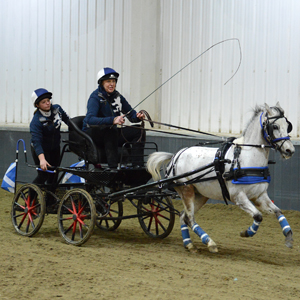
45, 135
106, 108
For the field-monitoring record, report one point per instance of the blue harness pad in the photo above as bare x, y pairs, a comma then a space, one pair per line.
251, 179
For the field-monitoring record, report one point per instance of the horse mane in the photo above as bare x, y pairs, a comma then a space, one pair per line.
256, 111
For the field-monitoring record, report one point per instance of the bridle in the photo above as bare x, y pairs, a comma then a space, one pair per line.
268, 127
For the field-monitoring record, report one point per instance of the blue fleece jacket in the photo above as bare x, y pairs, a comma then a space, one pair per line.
102, 108
45, 131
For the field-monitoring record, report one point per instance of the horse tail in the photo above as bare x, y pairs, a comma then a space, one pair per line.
155, 161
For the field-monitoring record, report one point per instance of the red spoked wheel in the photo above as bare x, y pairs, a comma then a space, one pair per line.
109, 217
28, 210
76, 216
158, 216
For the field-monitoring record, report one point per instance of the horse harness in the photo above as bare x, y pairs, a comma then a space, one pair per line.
233, 174
237, 174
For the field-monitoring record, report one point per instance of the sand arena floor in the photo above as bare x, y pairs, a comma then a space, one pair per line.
127, 264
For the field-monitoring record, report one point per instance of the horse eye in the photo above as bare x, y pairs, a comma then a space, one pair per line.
275, 127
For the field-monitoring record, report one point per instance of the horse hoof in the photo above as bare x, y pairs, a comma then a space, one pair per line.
190, 247
244, 233
212, 247
289, 244
289, 241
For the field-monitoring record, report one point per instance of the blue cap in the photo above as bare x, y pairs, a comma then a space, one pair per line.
39, 95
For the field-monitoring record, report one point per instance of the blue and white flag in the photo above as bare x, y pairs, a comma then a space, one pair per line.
70, 178
9, 179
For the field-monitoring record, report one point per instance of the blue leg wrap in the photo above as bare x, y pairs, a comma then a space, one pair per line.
284, 224
185, 235
253, 229
201, 233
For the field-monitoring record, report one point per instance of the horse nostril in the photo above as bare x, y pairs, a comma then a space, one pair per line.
289, 152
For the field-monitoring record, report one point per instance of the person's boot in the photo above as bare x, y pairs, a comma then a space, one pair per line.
137, 155
111, 147
112, 156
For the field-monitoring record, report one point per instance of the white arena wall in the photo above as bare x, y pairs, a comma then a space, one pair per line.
61, 44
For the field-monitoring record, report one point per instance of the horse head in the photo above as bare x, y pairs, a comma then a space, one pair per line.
276, 128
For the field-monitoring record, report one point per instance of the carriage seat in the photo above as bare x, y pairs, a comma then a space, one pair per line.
82, 144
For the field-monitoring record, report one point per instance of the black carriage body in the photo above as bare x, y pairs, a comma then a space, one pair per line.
112, 178
79, 206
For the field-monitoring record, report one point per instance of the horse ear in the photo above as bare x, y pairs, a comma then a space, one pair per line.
278, 105
268, 109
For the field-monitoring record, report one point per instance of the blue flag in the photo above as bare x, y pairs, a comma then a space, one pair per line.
9, 179
70, 178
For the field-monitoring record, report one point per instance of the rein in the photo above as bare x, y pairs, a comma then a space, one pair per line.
159, 131
222, 138
183, 128
142, 138
266, 126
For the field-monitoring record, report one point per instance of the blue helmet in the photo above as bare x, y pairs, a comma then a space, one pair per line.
107, 73
39, 95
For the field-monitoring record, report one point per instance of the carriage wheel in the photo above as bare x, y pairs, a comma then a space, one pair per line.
114, 211
28, 210
76, 216
158, 216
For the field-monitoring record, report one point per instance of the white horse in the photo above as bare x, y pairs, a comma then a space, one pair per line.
246, 174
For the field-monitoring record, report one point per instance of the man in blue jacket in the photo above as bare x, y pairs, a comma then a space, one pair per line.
106, 108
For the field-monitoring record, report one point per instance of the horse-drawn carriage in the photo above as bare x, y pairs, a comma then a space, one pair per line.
237, 171
89, 200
